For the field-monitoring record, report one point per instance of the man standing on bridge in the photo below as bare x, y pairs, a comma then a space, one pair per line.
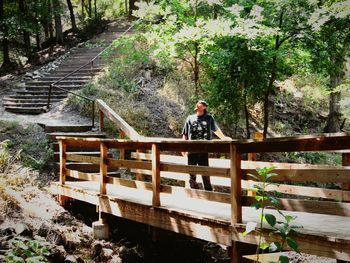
200, 126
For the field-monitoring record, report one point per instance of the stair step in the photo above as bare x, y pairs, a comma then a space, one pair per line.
29, 99
24, 104
48, 83
26, 110
73, 78
46, 93
40, 97
43, 88
67, 128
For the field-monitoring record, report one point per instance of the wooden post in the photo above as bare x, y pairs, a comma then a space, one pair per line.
63, 158
63, 172
236, 206
258, 136
139, 175
122, 151
156, 175
346, 162
102, 121
103, 168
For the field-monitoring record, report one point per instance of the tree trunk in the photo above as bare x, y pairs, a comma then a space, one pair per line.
132, 7
271, 79
126, 7
196, 69
72, 16
58, 23
49, 20
26, 36
5, 45
246, 113
334, 115
37, 40
95, 8
82, 10
90, 9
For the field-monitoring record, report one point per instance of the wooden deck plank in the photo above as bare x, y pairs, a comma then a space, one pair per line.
335, 227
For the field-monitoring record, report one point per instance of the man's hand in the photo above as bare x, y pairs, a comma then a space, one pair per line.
226, 138
184, 154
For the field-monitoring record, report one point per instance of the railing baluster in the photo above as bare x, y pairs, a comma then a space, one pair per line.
102, 120
236, 205
103, 167
346, 162
93, 113
156, 175
63, 170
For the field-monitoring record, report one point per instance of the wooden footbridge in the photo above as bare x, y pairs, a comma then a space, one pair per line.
147, 197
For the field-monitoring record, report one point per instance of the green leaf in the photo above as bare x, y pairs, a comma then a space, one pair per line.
249, 228
256, 206
289, 218
275, 246
253, 176
270, 219
283, 259
292, 243
264, 246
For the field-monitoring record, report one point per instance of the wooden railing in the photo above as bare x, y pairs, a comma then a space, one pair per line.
233, 170
148, 158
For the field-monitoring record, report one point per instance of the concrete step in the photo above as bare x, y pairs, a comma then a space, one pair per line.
25, 110
73, 78
42, 88
24, 104
38, 92
48, 83
26, 100
67, 128
68, 70
39, 97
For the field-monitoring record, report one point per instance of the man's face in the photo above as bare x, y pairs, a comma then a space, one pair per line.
200, 107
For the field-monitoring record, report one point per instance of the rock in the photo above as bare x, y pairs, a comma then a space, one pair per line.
58, 254
106, 254
55, 237
130, 255
70, 259
7, 231
97, 249
43, 230
4, 245
23, 230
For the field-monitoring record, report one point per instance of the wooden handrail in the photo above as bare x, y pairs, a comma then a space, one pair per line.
106, 111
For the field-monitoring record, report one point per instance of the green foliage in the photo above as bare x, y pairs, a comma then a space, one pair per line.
29, 150
4, 155
284, 229
27, 251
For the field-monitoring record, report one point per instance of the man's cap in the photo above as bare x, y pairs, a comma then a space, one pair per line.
203, 102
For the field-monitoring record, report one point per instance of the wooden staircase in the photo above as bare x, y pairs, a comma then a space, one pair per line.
33, 97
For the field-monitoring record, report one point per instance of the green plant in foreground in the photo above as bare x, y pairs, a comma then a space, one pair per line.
284, 229
31, 251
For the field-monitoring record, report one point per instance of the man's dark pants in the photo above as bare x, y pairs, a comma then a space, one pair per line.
201, 159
